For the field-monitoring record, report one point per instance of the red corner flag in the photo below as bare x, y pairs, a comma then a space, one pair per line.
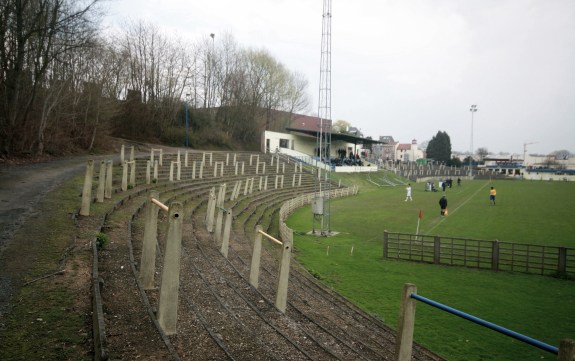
420, 214
419, 219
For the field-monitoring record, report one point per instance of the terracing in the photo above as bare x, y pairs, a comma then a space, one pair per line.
220, 314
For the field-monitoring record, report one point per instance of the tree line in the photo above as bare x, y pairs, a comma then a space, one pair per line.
64, 83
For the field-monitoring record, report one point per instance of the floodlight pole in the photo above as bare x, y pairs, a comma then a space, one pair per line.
473, 109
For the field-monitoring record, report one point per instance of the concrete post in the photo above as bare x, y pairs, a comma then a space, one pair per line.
194, 169
235, 158
179, 170
148, 261
169, 288
282, 181
156, 170
276, 183
124, 176
251, 185
227, 159
219, 221
186, 159
178, 156
221, 169
277, 166
299, 182
293, 181
148, 170
87, 190
133, 173
122, 153
256, 255
406, 324
171, 171
243, 167
161, 157
257, 167
266, 183
261, 180
201, 175
211, 208
246, 187
283, 278
101, 182
132, 156
236, 173
283, 167
108, 190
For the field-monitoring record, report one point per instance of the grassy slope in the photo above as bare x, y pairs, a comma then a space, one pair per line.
540, 307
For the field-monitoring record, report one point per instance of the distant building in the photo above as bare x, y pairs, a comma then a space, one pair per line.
408, 152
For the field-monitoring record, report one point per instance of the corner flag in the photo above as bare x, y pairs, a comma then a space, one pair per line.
419, 219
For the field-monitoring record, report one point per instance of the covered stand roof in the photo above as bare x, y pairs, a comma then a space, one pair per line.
338, 136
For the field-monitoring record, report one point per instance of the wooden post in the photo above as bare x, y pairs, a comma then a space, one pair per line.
495, 256
566, 350
148, 261
406, 324
169, 288
282, 290
562, 264
101, 182
87, 190
385, 244
256, 255
436, 250
227, 230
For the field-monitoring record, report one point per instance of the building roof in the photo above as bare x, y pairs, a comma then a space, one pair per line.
404, 147
337, 136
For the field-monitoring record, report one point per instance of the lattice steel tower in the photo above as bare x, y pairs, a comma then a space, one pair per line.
321, 206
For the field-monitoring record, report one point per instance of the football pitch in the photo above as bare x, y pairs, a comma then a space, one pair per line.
532, 212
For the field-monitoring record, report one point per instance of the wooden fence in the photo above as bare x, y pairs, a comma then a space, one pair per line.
493, 255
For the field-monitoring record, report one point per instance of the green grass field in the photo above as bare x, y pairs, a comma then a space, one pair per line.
526, 212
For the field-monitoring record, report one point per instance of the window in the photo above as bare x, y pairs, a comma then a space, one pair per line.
284, 143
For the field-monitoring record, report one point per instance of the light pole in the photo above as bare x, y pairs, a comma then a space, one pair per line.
472, 110
187, 96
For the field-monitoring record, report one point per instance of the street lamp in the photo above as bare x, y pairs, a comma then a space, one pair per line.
187, 97
472, 110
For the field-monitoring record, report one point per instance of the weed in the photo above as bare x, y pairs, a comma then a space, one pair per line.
101, 240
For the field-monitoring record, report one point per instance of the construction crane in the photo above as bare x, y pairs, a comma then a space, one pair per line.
525, 152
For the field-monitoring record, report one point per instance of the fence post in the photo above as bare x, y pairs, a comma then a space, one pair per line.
566, 350
87, 191
562, 265
124, 176
133, 173
148, 260
436, 250
385, 243
156, 171
256, 254
495, 256
148, 170
283, 278
211, 209
406, 324
168, 306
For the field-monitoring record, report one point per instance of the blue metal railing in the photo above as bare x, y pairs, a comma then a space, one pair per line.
487, 324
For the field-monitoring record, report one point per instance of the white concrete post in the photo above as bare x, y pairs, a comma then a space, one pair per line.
171, 171
276, 183
161, 157
246, 186
178, 157
201, 175
293, 181
122, 153
257, 167
283, 167
101, 182
227, 230
194, 169
227, 159
235, 159
261, 180
256, 255
133, 173
170, 286
222, 169
283, 278
266, 183
156, 171
299, 183
243, 167
179, 170
211, 208
148, 170
406, 324
87, 190
108, 190
219, 221
132, 156
236, 173
282, 181
277, 167
186, 159
148, 260
251, 185
124, 176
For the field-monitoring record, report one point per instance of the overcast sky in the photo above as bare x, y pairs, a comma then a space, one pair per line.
410, 68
